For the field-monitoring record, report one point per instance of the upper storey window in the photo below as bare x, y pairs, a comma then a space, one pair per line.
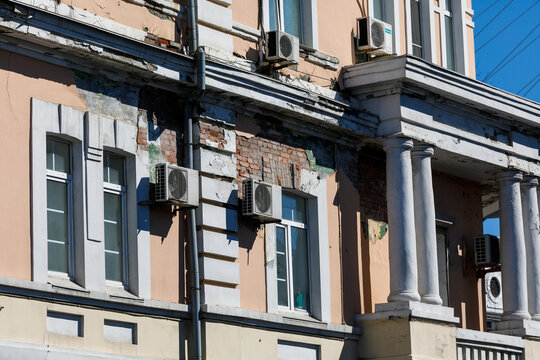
378, 10
416, 29
295, 17
449, 35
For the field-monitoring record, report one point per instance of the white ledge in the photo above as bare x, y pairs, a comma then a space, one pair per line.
522, 328
412, 310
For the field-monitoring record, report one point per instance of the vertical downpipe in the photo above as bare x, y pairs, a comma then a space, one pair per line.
190, 113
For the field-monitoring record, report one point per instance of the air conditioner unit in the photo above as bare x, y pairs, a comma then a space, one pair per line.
261, 201
282, 47
373, 36
486, 250
177, 185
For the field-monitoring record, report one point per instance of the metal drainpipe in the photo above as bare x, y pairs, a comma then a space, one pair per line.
190, 113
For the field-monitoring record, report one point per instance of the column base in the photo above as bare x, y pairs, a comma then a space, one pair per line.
431, 299
404, 296
516, 315
411, 309
521, 328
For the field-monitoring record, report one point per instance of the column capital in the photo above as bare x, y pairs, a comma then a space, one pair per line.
511, 175
423, 150
529, 181
397, 142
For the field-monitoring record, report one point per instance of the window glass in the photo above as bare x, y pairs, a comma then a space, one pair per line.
292, 14
299, 248
449, 42
416, 29
113, 237
378, 9
281, 260
58, 157
293, 208
113, 169
273, 14
448, 5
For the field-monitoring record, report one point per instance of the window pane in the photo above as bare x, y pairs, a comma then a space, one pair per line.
273, 14
115, 169
293, 208
57, 226
300, 268
113, 237
57, 195
378, 12
61, 157
449, 43
50, 165
113, 267
57, 257
280, 239
283, 298
292, 17
416, 28
113, 207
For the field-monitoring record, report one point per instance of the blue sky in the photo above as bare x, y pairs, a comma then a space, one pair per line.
500, 27
522, 65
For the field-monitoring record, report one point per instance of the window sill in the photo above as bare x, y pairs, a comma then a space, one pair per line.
120, 292
65, 283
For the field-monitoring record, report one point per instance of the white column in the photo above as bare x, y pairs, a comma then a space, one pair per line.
402, 240
532, 242
513, 258
424, 220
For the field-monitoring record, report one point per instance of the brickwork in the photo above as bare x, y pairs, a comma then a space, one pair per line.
210, 134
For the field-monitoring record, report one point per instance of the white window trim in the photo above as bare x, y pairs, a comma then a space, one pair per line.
64, 123
318, 255
391, 16
72, 125
310, 19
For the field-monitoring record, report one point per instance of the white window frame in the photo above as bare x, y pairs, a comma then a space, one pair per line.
64, 178
309, 29
119, 190
313, 189
286, 225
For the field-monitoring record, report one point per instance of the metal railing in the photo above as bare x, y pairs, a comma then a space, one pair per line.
477, 345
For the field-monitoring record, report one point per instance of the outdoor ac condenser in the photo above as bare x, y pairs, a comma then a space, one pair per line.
177, 185
373, 36
282, 47
261, 201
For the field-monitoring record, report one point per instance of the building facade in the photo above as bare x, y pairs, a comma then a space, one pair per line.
379, 172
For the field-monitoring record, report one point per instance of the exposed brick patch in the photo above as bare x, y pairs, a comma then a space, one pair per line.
212, 135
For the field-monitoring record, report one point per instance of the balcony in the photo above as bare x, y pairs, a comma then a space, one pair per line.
476, 345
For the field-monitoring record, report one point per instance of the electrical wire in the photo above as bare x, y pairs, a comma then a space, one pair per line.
506, 27
492, 19
500, 65
527, 84
485, 10
532, 87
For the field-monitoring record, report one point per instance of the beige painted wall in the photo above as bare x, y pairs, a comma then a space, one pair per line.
252, 268
166, 258
249, 343
24, 320
22, 78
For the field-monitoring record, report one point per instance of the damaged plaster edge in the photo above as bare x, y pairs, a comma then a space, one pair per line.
85, 17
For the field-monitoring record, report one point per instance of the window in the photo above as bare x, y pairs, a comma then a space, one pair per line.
114, 202
295, 17
292, 254
449, 35
59, 208
416, 28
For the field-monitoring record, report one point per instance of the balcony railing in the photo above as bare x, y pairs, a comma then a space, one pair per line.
476, 345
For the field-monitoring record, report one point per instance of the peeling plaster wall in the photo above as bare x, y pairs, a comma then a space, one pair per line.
21, 79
